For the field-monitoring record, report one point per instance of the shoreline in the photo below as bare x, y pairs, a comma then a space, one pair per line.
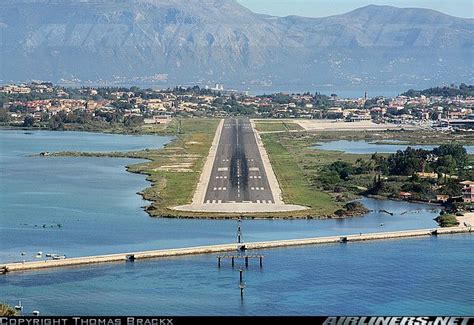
173, 211
122, 130
212, 249
141, 155
208, 215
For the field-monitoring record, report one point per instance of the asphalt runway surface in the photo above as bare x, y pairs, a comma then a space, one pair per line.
238, 174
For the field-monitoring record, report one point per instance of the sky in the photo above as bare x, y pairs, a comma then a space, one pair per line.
323, 8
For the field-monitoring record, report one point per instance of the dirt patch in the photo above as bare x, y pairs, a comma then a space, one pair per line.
181, 168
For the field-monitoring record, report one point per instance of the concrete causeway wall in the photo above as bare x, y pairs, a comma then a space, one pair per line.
212, 249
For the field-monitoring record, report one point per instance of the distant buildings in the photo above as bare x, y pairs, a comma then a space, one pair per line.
468, 191
43, 99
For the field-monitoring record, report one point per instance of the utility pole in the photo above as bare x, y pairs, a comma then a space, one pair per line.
241, 284
239, 231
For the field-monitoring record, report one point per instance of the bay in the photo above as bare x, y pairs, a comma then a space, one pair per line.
424, 276
95, 202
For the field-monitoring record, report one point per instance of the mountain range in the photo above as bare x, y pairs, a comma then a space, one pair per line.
170, 42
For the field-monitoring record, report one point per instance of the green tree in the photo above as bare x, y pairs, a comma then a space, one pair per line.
132, 121
456, 151
4, 117
446, 164
28, 121
57, 122
451, 187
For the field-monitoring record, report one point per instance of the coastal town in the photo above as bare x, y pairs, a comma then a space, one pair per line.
443, 175
169, 160
44, 104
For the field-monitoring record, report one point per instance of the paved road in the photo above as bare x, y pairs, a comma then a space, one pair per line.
238, 174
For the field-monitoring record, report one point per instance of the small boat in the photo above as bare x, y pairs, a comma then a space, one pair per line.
382, 224
19, 306
58, 257
23, 253
39, 254
49, 255
36, 313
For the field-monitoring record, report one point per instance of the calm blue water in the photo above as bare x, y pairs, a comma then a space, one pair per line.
95, 202
365, 147
426, 276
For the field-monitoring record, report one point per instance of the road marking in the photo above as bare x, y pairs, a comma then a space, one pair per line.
222, 169
219, 201
254, 169
215, 188
224, 188
208, 201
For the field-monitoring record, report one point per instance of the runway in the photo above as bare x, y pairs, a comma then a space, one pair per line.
238, 174
237, 177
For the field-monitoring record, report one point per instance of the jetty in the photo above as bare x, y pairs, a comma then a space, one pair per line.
225, 248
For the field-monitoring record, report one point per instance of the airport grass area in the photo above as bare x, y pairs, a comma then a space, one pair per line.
299, 167
307, 176
292, 179
277, 126
324, 179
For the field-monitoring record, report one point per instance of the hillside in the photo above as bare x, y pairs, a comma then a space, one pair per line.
168, 42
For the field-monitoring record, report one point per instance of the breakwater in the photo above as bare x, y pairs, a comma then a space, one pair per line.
212, 249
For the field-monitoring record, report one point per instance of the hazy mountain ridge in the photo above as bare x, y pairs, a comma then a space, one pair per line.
221, 41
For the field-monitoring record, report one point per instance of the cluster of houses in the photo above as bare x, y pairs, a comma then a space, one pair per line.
467, 195
154, 104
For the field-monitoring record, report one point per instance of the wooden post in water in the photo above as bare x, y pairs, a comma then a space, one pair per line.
239, 231
218, 261
246, 261
232, 261
241, 284
261, 261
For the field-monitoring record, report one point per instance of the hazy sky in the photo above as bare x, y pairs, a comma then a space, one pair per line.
322, 8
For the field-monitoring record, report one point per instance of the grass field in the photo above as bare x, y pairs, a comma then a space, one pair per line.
293, 182
175, 170
277, 126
